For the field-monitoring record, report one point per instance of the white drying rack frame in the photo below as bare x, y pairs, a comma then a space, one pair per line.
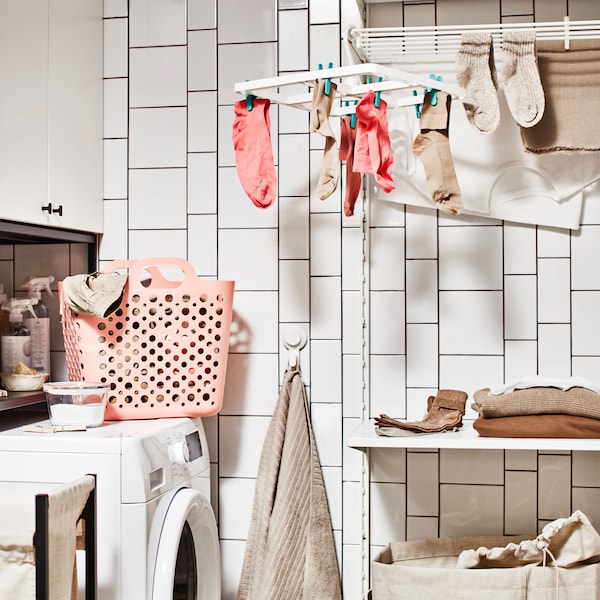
386, 44
411, 87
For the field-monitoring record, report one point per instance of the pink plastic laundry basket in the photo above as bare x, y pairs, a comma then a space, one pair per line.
164, 351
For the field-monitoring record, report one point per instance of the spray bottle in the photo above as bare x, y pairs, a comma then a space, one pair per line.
39, 324
16, 340
3, 315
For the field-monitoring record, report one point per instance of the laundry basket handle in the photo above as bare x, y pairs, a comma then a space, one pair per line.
156, 277
158, 280
115, 265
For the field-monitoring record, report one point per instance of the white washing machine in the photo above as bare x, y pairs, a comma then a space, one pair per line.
157, 537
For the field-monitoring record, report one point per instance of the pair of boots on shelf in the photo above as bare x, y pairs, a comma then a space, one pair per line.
476, 73
445, 411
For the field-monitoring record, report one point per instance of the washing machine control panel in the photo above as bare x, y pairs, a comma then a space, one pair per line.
168, 456
194, 445
179, 453
184, 451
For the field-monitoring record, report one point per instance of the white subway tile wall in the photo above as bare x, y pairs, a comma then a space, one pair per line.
457, 303
520, 502
471, 509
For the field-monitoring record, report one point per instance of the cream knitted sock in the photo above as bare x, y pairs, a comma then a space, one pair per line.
476, 72
521, 78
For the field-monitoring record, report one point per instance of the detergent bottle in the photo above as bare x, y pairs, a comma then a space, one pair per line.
39, 323
16, 339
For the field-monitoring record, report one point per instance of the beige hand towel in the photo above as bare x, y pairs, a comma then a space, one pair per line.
290, 552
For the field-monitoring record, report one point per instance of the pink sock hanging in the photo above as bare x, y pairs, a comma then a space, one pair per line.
373, 150
253, 151
353, 181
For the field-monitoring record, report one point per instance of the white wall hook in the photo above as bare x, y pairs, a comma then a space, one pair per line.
295, 339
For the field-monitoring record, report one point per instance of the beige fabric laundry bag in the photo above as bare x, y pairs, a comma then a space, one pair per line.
427, 570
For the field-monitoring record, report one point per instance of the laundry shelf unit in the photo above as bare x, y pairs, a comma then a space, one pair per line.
466, 438
364, 438
385, 46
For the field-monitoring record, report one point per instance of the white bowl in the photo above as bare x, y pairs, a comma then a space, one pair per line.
17, 382
76, 402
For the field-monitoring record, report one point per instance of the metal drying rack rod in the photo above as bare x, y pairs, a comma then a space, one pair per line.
384, 44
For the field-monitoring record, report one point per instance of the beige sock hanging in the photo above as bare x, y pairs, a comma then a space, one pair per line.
319, 123
433, 149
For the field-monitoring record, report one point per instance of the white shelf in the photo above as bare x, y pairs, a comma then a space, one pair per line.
466, 438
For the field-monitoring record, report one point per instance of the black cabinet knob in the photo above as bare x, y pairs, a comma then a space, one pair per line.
49, 209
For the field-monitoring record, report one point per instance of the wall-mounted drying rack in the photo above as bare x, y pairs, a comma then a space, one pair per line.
396, 87
387, 44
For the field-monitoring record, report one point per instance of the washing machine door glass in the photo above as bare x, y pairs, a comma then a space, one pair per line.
188, 565
185, 581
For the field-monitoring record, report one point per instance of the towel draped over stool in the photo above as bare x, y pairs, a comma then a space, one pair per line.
17, 554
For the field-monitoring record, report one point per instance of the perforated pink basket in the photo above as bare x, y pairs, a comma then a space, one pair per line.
164, 351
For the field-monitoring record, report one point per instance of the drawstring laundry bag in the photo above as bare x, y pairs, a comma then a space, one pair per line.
562, 563
562, 543
163, 351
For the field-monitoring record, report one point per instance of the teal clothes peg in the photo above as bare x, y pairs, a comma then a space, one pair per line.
327, 88
417, 106
433, 97
249, 99
353, 116
378, 95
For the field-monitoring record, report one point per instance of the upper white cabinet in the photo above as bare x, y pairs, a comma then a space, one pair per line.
51, 149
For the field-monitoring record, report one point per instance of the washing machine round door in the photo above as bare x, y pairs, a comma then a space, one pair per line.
188, 563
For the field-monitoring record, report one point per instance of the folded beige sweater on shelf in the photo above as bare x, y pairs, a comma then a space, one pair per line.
539, 426
576, 401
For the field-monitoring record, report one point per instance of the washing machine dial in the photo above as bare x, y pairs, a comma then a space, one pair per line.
179, 453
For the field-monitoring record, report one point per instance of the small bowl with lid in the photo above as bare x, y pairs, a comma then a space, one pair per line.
76, 402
